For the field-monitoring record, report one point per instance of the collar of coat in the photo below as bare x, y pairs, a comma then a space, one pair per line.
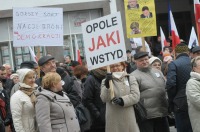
182, 54
195, 75
53, 96
124, 74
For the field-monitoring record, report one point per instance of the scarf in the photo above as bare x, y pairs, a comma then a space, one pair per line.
30, 92
100, 74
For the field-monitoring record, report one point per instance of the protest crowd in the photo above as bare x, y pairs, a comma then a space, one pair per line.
66, 97
149, 87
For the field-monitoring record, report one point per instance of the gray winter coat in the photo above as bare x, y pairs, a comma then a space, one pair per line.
121, 118
55, 113
152, 92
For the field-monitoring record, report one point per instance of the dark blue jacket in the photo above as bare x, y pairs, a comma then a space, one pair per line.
177, 76
92, 100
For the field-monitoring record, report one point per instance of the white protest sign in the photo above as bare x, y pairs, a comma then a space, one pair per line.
37, 27
104, 41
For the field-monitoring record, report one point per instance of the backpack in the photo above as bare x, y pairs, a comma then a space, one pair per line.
2, 105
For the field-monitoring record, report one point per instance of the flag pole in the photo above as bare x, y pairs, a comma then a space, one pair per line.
143, 45
10, 46
38, 56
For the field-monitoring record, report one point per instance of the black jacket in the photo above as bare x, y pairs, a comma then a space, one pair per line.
177, 76
92, 100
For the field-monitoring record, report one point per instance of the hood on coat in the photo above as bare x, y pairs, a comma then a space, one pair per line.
195, 75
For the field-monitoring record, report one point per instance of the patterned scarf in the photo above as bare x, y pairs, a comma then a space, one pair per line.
30, 92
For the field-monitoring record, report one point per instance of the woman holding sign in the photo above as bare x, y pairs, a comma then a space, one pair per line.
120, 115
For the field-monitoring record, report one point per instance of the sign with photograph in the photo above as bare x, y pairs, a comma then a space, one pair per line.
104, 41
37, 27
140, 18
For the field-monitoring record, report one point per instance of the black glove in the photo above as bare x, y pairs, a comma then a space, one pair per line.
108, 78
118, 101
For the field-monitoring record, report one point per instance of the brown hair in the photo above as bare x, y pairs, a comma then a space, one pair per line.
80, 70
50, 79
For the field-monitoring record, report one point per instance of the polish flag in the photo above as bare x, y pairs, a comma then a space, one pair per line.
174, 32
163, 40
193, 42
78, 54
34, 57
197, 15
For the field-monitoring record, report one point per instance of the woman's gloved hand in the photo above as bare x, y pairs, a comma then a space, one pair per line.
118, 101
108, 78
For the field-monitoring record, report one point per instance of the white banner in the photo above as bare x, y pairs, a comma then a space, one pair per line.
37, 27
104, 41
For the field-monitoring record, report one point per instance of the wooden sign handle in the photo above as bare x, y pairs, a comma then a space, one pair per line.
112, 95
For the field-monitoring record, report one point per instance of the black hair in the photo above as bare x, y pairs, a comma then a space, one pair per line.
145, 8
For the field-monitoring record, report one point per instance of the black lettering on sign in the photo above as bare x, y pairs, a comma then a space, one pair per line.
102, 25
106, 57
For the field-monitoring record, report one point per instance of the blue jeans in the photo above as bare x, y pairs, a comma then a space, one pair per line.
159, 124
183, 122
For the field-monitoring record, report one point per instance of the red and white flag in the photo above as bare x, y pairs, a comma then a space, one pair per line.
163, 39
34, 57
197, 15
78, 54
193, 42
174, 32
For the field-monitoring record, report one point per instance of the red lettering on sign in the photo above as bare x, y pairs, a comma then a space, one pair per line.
113, 38
100, 42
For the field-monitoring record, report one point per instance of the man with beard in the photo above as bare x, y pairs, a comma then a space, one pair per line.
152, 95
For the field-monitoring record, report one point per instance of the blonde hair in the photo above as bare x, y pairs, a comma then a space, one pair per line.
194, 61
50, 79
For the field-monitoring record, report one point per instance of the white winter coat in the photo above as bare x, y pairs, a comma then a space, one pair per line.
193, 96
23, 112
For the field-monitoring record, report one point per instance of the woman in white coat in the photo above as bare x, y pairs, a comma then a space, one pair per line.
193, 95
120, 115
22, 102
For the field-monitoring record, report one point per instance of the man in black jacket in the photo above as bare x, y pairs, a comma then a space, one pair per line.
177, 76
48, 64
92, 100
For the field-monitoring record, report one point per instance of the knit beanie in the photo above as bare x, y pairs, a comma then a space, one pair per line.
181, 48
22, 73
153, 59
